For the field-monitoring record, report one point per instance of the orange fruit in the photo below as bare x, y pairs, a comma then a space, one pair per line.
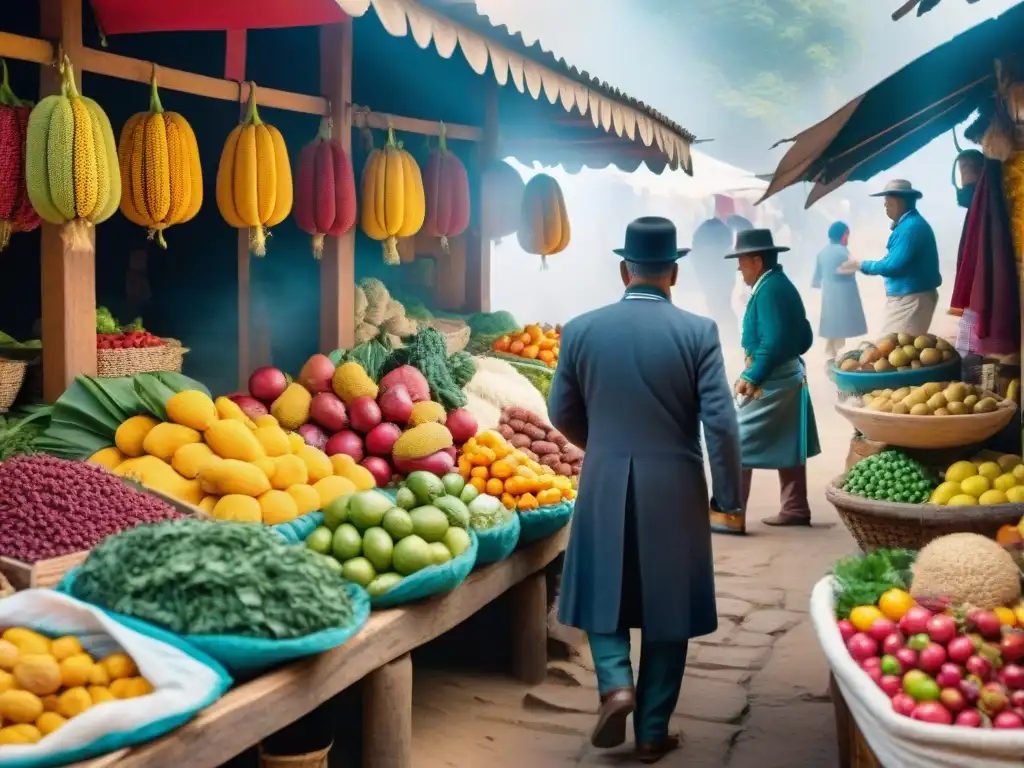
1006, 616
894, 604
863, 616
1018, 611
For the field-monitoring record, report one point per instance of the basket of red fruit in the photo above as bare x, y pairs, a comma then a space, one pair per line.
130, 349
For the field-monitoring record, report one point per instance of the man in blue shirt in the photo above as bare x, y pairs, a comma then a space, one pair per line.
911, 265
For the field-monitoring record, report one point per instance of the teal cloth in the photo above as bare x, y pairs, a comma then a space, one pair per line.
775, 327
778, 430
432, 580
247, 657
298, 530
542, 522
662, 665
498, 543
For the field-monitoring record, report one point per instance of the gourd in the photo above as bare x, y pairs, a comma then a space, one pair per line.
306, 498
291, 409
318, 466
254, 178
427, 411
273, 439
502, 197
325, 189
446, 185
230, 476
190, 459
108, 458
192, 408
393, 203
71, 162
16, 211
289, 470
422, 441
130, 436
231, 439
543, 221
351, 381
161, 176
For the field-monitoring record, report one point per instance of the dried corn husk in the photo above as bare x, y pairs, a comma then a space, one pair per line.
360, 305
365, 332
1013, 189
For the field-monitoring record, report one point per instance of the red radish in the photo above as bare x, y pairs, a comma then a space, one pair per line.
976, 665
328, 410
941, 628
452, 451
317, 373
969, 718
907, 658
861, 646
379, 468
441, 463
932, 712
903, 704
879, 629
364, 414
932, 658
267, 383
347, 442
395, 404
950, 675
891, 684
381, 439
952, 699
1007, 720
988, 624
892, 643
250, 406
413, 380
1012, 676
915, 621
1012, 645
313, 435
846, 629
960, 649
462, 424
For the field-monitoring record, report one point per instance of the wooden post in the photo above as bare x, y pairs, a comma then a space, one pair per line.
529, 604
244, 272
68, 277
338, 263
387, 715
478, 247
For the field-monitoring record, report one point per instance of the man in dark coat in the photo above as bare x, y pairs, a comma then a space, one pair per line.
635, 382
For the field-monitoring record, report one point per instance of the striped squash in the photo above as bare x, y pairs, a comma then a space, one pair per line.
543, 221
325, 189
71, 162
254, 179
161, 178
16, 211
446, 184
393, 203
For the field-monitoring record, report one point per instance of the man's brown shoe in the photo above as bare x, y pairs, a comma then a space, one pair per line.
616, 706
653, 752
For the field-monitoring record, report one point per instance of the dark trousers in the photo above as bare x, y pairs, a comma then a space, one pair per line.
793, 487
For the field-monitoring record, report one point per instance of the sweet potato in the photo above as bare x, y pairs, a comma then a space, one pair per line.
506, 431
564, 469
518, 425
572, 454
533, 432
531, 454
543, 448
577, 466
537, 421
517, 413
551, 460
520, 441
557, 438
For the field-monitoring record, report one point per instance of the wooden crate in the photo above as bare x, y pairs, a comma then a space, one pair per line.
42, 574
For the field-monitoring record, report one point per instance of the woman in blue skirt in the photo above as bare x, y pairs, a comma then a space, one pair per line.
842, 315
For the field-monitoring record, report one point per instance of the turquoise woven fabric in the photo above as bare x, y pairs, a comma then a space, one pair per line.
498, 543
543, 522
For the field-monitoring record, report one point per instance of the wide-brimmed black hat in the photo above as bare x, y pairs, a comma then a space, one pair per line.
752, 241
651, 240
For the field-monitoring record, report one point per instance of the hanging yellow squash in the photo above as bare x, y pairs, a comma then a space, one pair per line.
543, 221
254, 179
393, 202
161, 178
71, 161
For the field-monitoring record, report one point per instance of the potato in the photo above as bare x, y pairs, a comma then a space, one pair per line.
543, 448
551, 460
520, 441
533, 432
518, 425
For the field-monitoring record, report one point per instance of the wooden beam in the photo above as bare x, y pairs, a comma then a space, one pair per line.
362, 117
478, 247
338, 262
23, 48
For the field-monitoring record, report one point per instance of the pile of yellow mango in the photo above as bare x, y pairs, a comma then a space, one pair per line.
211, 455
44, 683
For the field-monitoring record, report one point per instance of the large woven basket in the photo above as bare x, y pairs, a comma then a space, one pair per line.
928, 431
887, 525
456, 333
12, 374
127, 362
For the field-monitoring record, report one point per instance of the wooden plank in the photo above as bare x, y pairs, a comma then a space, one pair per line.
234, 54
43, 573
23, 48
244, 274
362, 117
253, 711
478, 246
338, 262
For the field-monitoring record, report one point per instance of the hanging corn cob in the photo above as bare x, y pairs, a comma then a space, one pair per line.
254, 179
161, 179
71, 162
16, 211
446, 184
393, 203
325, 189
543, 221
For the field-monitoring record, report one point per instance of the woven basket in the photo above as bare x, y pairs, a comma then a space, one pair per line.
111, 363
12, 374
888, 525
317, 759
456, 333
928, 431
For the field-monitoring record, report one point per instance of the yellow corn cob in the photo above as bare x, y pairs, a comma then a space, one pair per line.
246, 174
412, 192
266, 174
138, 173
191, 150
226, 180
84, 160
37, 179
283, 174
156, 174
179, 182
108, 176
124, 161
367, 211
60, 159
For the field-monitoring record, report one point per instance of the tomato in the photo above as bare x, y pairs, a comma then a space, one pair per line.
863, 616
895, 603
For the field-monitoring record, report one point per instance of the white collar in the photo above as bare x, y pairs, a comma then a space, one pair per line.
760, 280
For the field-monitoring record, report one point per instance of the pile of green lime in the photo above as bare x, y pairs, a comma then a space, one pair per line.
376, 542
890, 476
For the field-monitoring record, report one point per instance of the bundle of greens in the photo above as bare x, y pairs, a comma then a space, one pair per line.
427, 351
371, 355
20, 430
205, 578
862, 579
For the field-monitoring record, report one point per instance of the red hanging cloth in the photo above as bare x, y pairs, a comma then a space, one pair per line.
117, 17
725, 207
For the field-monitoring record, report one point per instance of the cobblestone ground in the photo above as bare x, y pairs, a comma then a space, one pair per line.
755, 692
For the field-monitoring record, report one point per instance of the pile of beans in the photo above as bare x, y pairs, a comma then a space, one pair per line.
51, 507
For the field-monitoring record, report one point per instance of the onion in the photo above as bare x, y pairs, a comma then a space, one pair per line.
881, 629
891, 685
932, 658
960, 649
915, 621
846, 629
949, 675
969, 718
903, 704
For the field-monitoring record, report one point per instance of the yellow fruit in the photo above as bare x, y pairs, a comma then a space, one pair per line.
50, 702
351, 381
27, 641
66, 646
392, 197
230, 476
990, 469
306, 497
422, 441
231, 439
73, 702
23, 733
100, 694
895, 603
107, 457
330, 488
119, 665
296, 442
266, 420
291, 409
1004, 482
131, 435
863, 616
960, 471
975, 486
277, 507
1006, 616
8, 655
158, 475
189, 459
236, 508
1018, 613
945, 492
345, 466
274, 440
992, 497
229, 409
20, 707
192, 408
49, 722
98, 675
140, 686
207, 503
165, 438
7, 681
267, 466
963, 500
427, 411
130, 688
37, 673
1015, 495
318, 466
76, 670
289, 470
543, 221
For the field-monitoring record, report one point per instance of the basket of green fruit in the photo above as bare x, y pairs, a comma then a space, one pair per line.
894, 361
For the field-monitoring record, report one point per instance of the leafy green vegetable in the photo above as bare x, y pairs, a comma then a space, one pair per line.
206, 578
427, 351
462, 368
21, 430
106, 322
499, 323
862, 579
370, 354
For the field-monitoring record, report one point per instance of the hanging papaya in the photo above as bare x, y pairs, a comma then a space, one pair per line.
254, 178
161, 178
16, 211
446, 185
502, 197
325, 189
393, 203
543, 222
71, 161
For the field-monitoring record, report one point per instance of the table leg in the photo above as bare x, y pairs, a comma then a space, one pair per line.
387, 715
529, 601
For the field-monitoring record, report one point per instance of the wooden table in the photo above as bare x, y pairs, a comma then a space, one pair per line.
379, 653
